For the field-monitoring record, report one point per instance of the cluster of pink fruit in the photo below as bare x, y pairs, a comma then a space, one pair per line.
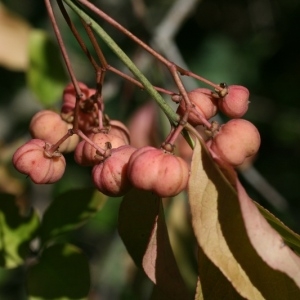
235, 140
104, 144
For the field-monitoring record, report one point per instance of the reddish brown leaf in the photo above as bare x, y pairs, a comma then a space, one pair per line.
143, 230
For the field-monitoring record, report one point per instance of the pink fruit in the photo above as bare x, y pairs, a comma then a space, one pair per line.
85, 153
32, 159
47, 125
110, 175
143, 126
87, 115
204, 104
235, 141
69, 96
70, 144
119, 129
157, 170
235, 103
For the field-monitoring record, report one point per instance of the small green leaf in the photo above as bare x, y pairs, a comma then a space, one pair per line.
70, 211
46, 75
16, 232
62, 272
144, 232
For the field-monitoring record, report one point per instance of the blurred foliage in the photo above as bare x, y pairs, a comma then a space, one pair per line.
254, 43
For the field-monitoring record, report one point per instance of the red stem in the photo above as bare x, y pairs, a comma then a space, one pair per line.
150, 50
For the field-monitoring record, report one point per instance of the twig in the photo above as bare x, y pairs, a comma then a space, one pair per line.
173, 117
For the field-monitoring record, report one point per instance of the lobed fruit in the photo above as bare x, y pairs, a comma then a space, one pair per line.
235, 141
85, 153
87, 116
143, 126
47, 125
158, 171
69, 96
110, 175
32, 160
119, 129
235, 103
204, 104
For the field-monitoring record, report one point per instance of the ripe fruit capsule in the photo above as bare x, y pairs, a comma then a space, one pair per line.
31, 159
47, 125
85, 153
119, 129
235, 103
110, 175
69, 96
204, 104
235, 141
155, 170
87, 117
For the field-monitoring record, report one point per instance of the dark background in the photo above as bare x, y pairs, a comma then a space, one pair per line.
252, 43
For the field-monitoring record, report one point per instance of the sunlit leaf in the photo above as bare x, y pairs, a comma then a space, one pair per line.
269, 244
291, 238
62, 272
69, 211
212, 283
46, 75
199, 293
16, 232
14, 40
143, 230
236, 238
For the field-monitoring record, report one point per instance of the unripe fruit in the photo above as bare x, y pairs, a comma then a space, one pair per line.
85, 153
235, 103
32, 160
235, 141
204, 104
158, 171
110, 175
47, 125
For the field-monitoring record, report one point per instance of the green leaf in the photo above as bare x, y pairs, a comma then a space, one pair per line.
16, 232
106, 220
291, 238
143, 230
70, 211
62, 272
235, 237
46, 75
